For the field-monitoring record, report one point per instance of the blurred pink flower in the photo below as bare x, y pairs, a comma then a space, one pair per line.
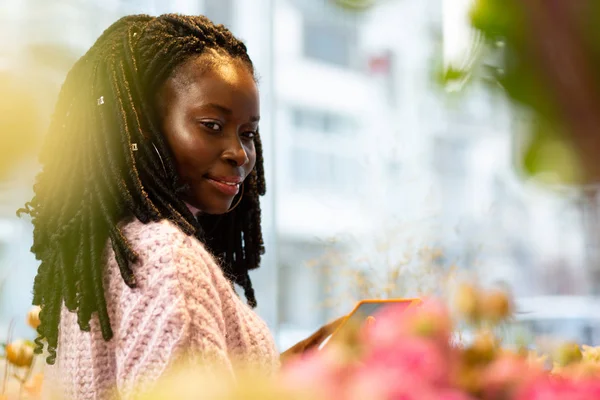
406, 355
396, 322
323, 372
380, 383
556, 388
506, 375
385, 384
451, 394
414, 359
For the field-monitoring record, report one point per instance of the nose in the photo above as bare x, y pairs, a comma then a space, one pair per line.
234, 153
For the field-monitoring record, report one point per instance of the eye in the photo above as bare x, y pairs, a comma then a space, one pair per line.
211, 125
249, 134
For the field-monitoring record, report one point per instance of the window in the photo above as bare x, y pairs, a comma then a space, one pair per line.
329, 43
320, 121
346, 173
322, 170
310, 168
339, 124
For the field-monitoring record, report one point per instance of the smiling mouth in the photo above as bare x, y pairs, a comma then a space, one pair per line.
225, 183
228, 188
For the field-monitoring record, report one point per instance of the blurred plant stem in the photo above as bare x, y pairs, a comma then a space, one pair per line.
7, 364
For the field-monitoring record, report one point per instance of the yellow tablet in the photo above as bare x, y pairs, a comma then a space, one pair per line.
366, 311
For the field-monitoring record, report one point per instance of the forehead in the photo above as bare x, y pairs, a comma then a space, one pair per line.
217, 78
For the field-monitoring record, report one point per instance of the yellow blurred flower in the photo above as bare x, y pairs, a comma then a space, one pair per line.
536, 360
20, 353
33, 317
194, 383
495, 305
483, 349
476, 305
469, 378
590, 353
466, 302
567, 353
577, 370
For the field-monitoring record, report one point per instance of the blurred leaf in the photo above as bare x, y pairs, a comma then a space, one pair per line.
516, 56
525, 87
549, 158
591, 31
452, 74
496, 19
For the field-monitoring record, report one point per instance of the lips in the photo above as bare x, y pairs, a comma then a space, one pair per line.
228, 185
230, 180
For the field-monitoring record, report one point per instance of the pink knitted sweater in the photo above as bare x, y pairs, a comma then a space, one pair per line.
182, 309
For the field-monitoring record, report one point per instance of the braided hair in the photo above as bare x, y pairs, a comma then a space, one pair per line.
92, 178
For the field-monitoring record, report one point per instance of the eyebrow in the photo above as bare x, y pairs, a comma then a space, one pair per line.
228, 111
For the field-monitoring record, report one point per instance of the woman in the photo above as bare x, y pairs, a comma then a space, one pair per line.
146, 212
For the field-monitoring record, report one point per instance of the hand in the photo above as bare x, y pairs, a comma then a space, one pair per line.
313, 341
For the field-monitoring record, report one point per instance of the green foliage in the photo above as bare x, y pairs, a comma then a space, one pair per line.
497, 19
515, 56
549, 157
454, 75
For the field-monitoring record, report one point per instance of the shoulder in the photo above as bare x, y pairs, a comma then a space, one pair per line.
174, 274
153, 236
166, 254
161, 238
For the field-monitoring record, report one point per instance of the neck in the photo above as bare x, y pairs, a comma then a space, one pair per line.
192, 209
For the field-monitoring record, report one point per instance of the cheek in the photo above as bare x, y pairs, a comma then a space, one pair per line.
193, 156
190, 149
197, 158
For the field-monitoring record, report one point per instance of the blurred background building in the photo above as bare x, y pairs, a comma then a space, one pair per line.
380, 183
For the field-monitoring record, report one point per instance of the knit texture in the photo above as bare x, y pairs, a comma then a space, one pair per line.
182, 310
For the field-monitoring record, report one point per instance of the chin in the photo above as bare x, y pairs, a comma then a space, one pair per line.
212, 207
217, 212
217, 209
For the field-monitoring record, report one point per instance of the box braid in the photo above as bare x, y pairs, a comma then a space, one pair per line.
92, 178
